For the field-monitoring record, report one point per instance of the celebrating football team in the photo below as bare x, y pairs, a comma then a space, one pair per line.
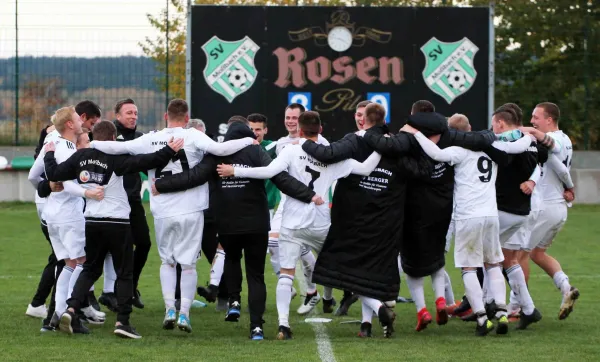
358, 213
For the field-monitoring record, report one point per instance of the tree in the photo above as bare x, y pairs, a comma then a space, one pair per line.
39, 99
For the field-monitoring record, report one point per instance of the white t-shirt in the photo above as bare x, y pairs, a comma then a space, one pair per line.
552, 176
50, 137
284, 141
196, 145
65, 206
316, 175
474, 175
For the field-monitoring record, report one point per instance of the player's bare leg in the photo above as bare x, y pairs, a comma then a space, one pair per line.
552, 267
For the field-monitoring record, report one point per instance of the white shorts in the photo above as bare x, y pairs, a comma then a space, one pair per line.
550, 221
521, 237
68, 239
476, 241
179, 238
450, 234
509, 227
293, 241
40, 209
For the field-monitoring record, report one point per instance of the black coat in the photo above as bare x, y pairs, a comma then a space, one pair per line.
240, 204
131, 182
361, 248
429, 200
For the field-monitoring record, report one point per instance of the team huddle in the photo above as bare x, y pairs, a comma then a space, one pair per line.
359, 213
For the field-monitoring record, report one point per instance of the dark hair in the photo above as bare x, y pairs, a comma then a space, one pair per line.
375, 114
551, 110
507, 114
518, 111
363, 104
89, 108
310, 123
237, 119
104, 131
257, 118
296, 106
177, 109
422, 106
123, 102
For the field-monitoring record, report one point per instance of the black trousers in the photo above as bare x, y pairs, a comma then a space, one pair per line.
141, 239
254, 247
104, 236
210, 241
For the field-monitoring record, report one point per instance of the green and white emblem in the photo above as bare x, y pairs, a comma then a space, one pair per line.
230, 69
449, 69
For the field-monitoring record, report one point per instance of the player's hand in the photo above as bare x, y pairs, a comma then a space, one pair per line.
56, 186
175, 144
154, 190
569, 195
96, 194
255, 142
50, 147
527, 187
409, 129
225, 170
317, 200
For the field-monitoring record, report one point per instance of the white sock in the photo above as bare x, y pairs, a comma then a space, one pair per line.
327, 293
514, 300
308, 262
274, 251
438, 281
497, 288
400, 270
516, 279
473, 291
62, 290
73, 280
448, 291
92, 288
371, 303
189, 279
217, 268
488, 297
168, 282
561, 280
415, 285
367, 313
284, 297
110, 276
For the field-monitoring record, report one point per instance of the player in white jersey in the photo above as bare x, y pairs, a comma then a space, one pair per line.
63, 212
292, 114
178, 216
554, 210
476, 221
302, 224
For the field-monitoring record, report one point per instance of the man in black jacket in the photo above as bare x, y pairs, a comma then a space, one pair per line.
107, 225
127, 114
242, 215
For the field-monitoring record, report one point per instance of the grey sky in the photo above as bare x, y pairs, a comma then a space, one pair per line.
83, 28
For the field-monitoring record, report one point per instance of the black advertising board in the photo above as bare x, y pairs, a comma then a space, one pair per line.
251, 59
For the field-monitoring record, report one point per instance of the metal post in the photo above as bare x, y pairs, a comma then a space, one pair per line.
167, 58
188, 58
491, 64
586, 70
16, 72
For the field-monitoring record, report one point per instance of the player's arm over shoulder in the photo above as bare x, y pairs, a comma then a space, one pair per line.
66, 170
